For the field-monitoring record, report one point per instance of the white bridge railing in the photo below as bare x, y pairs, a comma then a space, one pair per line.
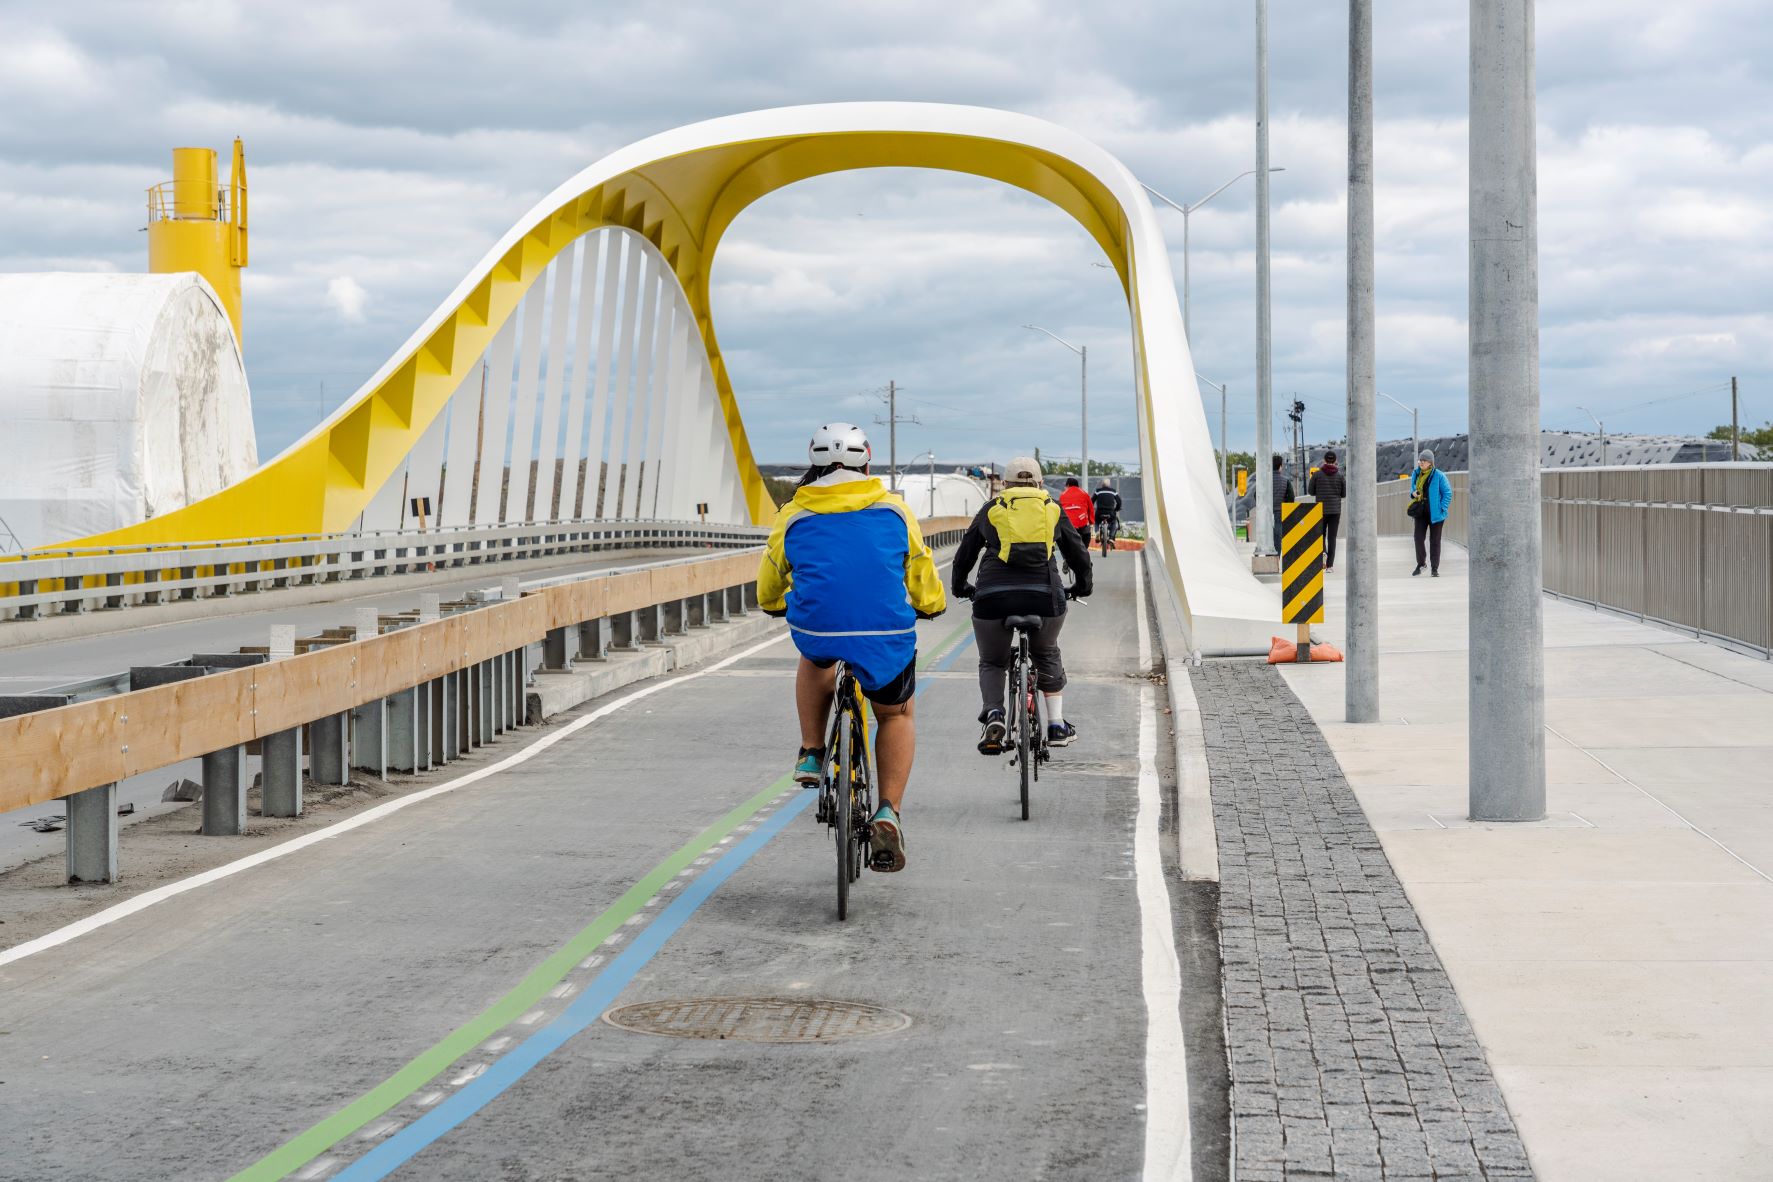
111, 579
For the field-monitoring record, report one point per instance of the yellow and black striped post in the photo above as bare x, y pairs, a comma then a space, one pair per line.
1302, 569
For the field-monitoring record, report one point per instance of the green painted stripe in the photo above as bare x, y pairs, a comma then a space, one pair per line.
308, 1145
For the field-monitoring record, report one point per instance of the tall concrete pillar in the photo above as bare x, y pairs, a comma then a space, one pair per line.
1262, 531
92, 834
1507, 762
330, 760
224, 792
1360, 513
280, 757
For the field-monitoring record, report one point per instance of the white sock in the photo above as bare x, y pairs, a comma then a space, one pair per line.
1055, 709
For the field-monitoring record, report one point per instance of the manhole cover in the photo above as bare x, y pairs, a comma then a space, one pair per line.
758, 1019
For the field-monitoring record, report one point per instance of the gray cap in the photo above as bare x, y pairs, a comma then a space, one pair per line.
1022, 470
1425, 454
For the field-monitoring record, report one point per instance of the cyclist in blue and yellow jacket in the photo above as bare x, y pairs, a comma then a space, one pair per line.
847, 564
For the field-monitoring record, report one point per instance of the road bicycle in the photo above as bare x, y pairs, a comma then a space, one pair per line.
846, 784
1027, 737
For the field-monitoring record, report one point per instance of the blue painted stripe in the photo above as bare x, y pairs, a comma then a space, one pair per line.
391, 1154
404, 1145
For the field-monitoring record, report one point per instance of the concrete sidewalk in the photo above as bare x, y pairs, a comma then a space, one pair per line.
1616, 960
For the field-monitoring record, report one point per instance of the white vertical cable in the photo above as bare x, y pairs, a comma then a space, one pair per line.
524, 397
661, 403
548, 447
636, 353
383, 510
572, 443
624, 346
424, 469
674, 476
597, 433
494, 416
464, 434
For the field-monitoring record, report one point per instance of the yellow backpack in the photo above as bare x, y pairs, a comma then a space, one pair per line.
1025, 519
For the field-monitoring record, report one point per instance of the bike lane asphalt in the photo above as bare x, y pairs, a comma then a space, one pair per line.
231, 1028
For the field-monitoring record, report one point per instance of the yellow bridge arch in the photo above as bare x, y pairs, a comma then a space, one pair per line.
681, 190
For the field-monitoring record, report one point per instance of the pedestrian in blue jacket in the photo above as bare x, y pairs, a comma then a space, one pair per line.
1431, 495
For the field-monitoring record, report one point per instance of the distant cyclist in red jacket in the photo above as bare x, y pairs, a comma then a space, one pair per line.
1078, 507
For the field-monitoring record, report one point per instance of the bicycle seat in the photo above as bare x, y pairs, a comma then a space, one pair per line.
1026, 623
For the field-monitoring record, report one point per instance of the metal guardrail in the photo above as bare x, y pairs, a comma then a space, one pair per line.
1686, 545
405, 692
78, 580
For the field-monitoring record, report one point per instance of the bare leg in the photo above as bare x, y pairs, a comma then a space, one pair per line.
895, 746
813, 689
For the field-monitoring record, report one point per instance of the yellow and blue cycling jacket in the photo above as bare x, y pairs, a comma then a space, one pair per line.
847, 563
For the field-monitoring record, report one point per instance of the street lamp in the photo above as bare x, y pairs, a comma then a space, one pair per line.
1224, 446
1415, 440
1185, 210
1601, 427
920, 455
1083, 352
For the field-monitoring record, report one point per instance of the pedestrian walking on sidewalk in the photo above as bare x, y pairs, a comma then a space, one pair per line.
1283, 492
1329, 486
1431, 495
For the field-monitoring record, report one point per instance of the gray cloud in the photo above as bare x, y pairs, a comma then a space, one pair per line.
390, 144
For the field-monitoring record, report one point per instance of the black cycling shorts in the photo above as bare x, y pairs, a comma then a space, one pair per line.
896, 692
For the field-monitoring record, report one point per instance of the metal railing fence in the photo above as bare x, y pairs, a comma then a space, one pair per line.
1687, 545
77, 580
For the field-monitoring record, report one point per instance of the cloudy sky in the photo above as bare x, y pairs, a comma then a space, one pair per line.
390, 144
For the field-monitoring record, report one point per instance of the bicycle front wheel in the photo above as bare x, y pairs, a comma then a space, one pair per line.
1024, 679
844, 804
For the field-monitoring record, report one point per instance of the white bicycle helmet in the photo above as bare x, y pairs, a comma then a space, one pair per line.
839, 443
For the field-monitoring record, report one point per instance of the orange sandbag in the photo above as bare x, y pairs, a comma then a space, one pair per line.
1129, 543
1285, 652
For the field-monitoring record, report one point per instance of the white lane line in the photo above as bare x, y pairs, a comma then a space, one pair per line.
1167, 1142
495, 1045
531, 1018
1139, 612
317, 1167
378, 1130
469, 1076
566, 990
430, 1099
592, 961
171, 890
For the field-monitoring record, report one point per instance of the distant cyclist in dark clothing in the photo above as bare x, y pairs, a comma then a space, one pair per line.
1013, 540
1108, 508
1329, 486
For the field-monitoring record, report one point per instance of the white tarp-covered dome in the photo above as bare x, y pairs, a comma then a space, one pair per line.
956, 495
122, 397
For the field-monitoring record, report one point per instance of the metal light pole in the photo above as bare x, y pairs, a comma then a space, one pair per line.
1224, 444
1506, 626
1083, 353
1265, 506
1602, 428
920, 455
1185, 210
1415, 435
1361, 684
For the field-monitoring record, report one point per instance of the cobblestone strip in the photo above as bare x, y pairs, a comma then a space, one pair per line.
1351, 1056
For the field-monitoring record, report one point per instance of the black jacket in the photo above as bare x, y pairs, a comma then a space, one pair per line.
1329, 486
1107, 503
1005, 589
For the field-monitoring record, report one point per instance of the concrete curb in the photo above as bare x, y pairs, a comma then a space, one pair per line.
1197, 838
557, 692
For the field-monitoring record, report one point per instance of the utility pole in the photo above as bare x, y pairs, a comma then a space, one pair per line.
1506, 614
1361, 508
1735, 424
891, 422
1265, 506
1083, 353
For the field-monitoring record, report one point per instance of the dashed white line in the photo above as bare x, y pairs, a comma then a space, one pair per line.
531, 1018
316, 1168
564, 990
469, 1076
495, 1045
378, 1130
430, 1099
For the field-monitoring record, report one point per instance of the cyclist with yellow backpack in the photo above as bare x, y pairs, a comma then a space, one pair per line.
1013, 540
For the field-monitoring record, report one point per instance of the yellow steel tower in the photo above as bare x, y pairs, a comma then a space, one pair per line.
196, 225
